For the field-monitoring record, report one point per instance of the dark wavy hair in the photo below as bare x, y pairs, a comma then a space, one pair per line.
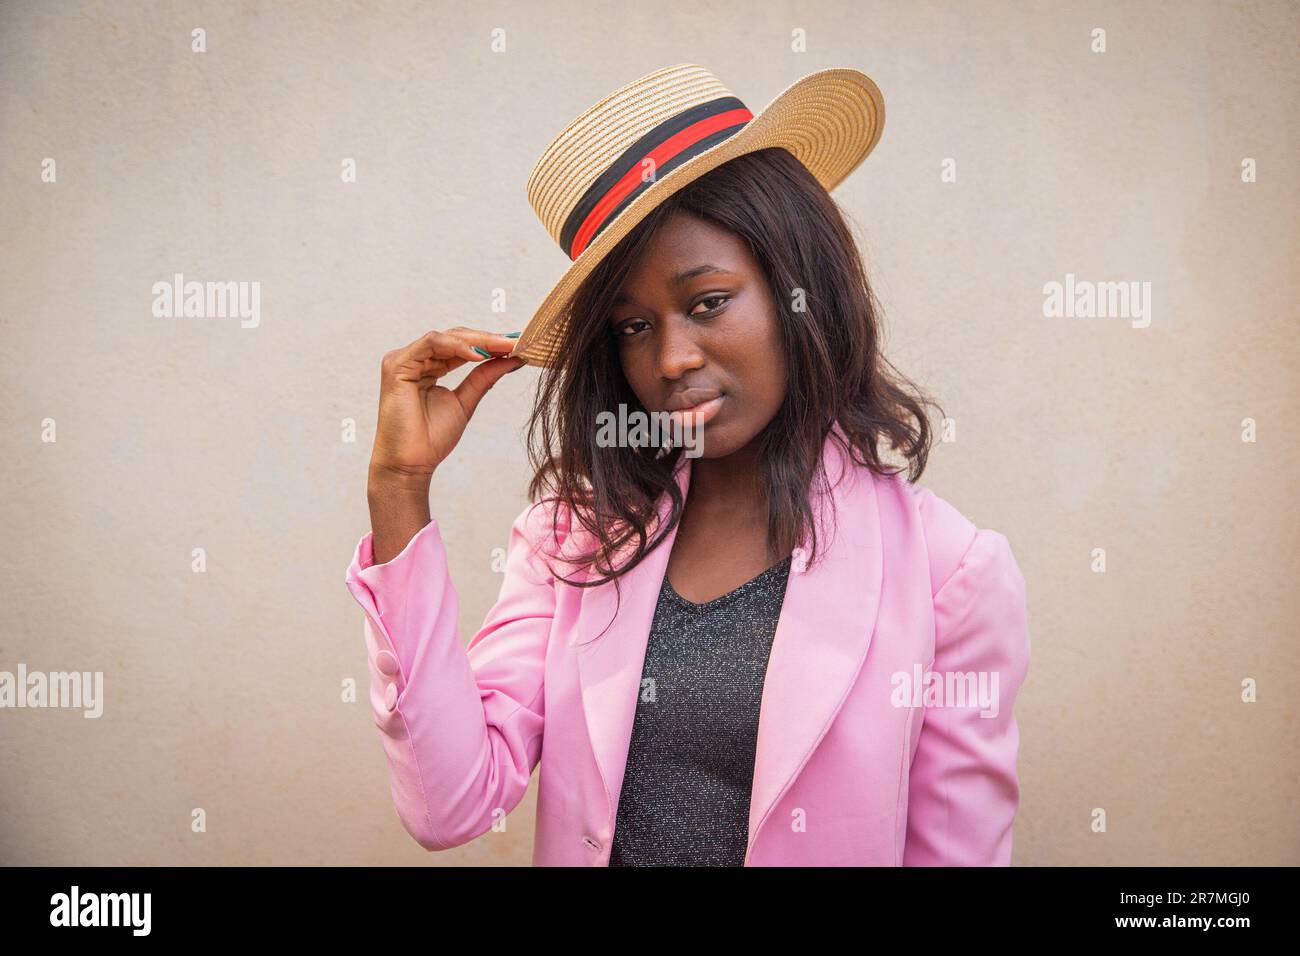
836, 370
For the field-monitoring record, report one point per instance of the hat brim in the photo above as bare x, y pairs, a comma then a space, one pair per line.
829, 120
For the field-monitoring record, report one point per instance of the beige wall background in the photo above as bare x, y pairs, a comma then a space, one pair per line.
223, 689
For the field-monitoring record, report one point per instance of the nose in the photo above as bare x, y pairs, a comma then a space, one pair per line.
678, 349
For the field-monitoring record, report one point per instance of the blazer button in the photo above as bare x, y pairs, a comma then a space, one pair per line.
390, 697
387, 663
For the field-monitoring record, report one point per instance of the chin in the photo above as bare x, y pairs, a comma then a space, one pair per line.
715, 442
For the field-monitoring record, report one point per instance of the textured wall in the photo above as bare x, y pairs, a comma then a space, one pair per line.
223, 687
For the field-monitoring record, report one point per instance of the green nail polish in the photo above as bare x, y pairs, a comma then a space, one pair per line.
483, 352
513, 335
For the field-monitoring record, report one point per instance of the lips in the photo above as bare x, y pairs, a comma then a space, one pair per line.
689, 398
694, 407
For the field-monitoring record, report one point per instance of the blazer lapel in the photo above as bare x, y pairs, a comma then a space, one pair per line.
821, 639
610, 663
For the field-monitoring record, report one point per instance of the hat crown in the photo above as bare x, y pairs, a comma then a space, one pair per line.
607, 170
593, 166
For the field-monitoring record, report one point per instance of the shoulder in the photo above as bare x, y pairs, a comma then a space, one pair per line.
952, 540
543, 525
549, 533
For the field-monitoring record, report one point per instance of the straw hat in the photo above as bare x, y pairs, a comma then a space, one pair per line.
613, 164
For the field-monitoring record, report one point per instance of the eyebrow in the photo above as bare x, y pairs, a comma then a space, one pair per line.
680, 279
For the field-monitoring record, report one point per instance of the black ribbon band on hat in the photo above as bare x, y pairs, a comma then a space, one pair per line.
632, 157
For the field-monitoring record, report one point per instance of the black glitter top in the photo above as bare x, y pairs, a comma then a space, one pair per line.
690, 762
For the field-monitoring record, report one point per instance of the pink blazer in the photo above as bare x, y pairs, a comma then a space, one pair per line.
862, 758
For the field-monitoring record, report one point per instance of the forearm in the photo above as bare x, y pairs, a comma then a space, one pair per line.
462, 729
399, 508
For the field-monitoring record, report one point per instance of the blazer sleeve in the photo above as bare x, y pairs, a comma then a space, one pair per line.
461, 725
962, 790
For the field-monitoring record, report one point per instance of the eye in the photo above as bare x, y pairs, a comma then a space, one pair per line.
721, 299
622, 330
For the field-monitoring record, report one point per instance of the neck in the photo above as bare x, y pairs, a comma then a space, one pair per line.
733, 484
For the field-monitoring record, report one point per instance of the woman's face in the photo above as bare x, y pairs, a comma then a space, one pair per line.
695, 325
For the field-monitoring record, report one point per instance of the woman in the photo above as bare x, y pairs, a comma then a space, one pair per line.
769, 648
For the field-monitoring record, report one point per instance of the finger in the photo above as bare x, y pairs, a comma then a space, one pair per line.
438, 367
476, 384
440, 346
460, 342
429, 369
438, 352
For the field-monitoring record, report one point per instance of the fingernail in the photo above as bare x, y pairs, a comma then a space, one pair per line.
513, 335
483, 352
517, 367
